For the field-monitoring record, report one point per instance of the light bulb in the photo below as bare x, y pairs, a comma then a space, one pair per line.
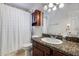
49, 10
50, 5
57, 3
45, 7
54, 8
61, 5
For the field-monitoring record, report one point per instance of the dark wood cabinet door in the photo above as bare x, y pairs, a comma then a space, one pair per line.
37, 52
37, 17
45, 50
57, 53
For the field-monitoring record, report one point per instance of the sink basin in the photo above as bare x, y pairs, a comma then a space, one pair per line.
52, 40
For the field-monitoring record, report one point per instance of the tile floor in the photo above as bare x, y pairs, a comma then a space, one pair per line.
20, 52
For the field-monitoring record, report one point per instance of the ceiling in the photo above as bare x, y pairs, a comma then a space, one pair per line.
28, 6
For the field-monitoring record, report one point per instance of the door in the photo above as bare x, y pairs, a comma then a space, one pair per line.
37, 52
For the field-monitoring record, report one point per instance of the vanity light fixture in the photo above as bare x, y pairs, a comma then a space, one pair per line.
57, 3
53, 6
49, 10
50, 5
61, 5
45, 7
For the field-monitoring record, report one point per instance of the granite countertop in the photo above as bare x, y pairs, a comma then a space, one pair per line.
69, 47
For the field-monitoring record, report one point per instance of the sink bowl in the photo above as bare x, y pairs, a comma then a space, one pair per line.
52, 40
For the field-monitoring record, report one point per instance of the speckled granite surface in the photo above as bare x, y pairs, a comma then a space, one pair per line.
67, 46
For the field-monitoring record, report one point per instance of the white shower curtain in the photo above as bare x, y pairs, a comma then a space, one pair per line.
15, 28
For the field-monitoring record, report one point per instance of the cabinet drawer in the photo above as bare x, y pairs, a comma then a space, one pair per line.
41, 47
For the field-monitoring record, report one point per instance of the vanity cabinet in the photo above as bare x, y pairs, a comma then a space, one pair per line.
40, 50
43, 50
